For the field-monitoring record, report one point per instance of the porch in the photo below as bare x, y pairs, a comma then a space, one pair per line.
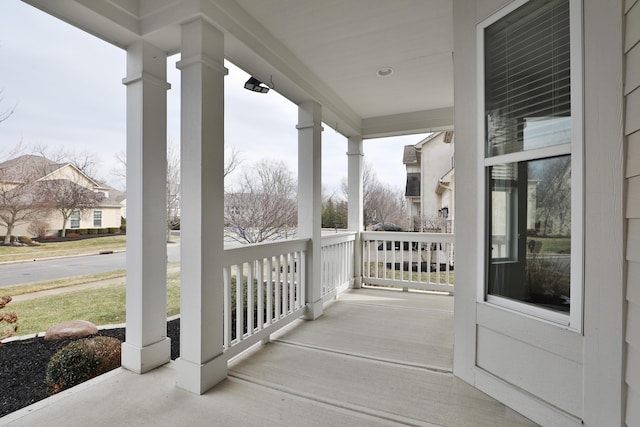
375, 357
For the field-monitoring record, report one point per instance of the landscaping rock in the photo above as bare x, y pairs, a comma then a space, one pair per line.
70, 330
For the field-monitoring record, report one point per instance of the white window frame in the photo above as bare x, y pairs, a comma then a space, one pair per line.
94, 218
574, 319
75, 216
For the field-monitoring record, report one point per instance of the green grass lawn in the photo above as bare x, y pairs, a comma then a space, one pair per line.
424, 277
553, 245
100, 306
103, 305
61, 283
71, 247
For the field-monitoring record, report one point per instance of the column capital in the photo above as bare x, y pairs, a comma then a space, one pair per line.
146, 77
203, 60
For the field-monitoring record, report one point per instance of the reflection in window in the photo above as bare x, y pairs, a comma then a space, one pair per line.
530, 231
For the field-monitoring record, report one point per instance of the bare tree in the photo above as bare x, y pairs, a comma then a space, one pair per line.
4, 115
69, 198
83, 160
264, 206
384, 205
69, 193
553, 195
232, 161
381, 203
173, 187
19, 200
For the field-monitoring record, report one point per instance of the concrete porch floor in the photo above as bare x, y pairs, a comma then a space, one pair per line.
375, 358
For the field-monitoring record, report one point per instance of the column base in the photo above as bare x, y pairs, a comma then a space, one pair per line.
356, 283
314, 310
141, 360
200, 378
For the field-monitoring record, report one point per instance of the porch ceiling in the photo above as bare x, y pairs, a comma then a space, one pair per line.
328, 50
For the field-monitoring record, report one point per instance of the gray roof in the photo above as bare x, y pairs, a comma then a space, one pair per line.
27, 166
410, 155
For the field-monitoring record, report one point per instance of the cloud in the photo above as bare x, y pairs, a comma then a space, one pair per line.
69, 91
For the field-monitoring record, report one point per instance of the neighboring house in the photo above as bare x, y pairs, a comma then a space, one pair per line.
430, 183
32, 176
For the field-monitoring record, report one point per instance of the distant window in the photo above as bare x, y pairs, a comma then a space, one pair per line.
74, 219
413, 185
97, 219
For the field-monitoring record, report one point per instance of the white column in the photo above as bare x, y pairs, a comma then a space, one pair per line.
356, 199
147, 345
201, 364
310, 199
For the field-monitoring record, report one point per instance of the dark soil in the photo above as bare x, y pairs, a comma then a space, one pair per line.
23, 365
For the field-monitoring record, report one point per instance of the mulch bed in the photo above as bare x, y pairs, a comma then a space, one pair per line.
23, 364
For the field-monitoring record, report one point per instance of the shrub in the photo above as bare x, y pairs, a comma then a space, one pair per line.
26, 240
72, 235
114, 230
82, 360
38, 228
9, 317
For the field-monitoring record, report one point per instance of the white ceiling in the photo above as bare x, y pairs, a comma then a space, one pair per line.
328, 50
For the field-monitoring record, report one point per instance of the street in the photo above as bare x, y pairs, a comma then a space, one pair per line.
52, 269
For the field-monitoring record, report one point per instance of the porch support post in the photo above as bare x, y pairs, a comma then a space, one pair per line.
356, 215
201, 364
310, 199
147, 345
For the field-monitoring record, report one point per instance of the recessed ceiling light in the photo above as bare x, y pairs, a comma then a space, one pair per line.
384, 71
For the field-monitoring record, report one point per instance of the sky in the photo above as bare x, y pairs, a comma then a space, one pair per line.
66, 87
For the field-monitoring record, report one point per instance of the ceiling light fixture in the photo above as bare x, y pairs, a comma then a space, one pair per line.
384, 71
255, 85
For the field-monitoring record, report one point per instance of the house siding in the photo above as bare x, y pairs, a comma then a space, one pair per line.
632, 133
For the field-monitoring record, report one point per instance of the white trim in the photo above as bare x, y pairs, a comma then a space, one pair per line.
523, 156
530, 310
576, 28
574, 320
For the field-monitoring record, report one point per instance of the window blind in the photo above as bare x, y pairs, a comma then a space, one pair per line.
527, 79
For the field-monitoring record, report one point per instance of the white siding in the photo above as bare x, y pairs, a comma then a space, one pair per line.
632, 130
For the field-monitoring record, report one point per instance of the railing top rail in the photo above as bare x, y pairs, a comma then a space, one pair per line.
263, 250
340, 237
409, 236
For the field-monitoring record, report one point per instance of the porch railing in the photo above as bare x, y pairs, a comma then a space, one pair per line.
337, 263
422, 261
264, 284
264, 290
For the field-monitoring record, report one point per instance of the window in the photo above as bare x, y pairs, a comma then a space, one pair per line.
531, 119
74, 219
97, 219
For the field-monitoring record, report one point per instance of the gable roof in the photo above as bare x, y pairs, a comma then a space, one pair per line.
31, 167
27, 165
